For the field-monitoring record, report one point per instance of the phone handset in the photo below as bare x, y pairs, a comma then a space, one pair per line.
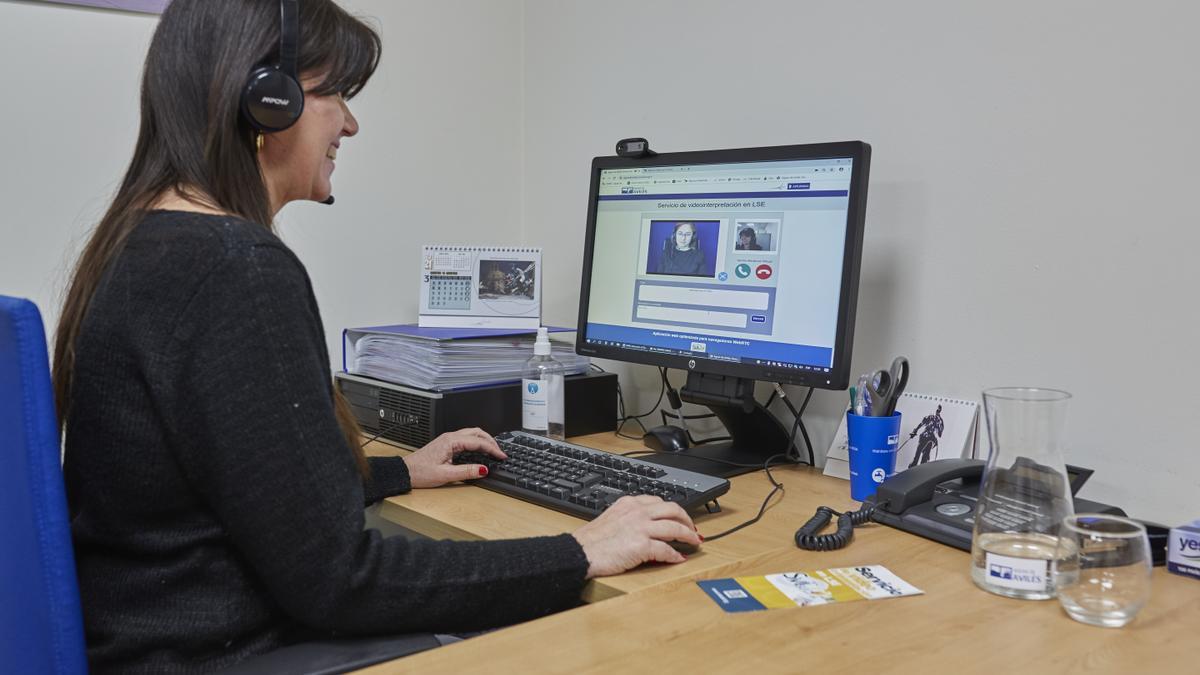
916, 485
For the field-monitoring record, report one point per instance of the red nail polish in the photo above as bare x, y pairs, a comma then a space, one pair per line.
482, 471
701, 536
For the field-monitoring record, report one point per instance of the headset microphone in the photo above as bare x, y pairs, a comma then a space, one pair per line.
328, 200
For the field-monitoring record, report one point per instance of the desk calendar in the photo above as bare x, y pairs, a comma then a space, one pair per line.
481, 286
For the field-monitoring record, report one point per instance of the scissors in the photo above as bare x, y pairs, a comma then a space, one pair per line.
885, 387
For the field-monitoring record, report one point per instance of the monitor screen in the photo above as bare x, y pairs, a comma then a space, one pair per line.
737, 262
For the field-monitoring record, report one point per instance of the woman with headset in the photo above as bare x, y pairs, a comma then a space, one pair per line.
215, 477
681, 253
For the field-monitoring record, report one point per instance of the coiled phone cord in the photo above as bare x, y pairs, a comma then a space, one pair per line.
808, 539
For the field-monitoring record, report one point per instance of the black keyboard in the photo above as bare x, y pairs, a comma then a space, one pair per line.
584, 481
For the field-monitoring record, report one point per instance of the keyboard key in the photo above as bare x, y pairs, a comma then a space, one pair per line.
503, 476
569, 485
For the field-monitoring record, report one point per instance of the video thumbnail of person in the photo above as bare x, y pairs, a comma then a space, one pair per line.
683, 247
756, 235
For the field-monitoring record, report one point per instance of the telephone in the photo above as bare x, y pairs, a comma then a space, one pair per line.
937, 499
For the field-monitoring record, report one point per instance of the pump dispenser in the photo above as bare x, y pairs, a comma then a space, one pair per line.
542, 391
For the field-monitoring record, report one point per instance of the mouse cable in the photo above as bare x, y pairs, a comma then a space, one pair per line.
778, 487
786, 455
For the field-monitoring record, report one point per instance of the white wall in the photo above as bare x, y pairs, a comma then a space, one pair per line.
437, 159
442, 112
1029, 217
69, 78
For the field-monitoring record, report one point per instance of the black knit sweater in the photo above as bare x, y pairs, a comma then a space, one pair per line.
217, 512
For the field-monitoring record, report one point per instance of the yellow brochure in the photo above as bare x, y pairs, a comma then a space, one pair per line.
800, 589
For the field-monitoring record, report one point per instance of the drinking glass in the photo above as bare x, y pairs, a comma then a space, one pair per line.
1102, 569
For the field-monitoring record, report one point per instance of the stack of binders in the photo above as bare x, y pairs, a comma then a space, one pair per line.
440, 359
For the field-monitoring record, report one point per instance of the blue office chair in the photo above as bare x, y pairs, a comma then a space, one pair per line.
41, 623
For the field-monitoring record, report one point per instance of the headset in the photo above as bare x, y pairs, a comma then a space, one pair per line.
272, 99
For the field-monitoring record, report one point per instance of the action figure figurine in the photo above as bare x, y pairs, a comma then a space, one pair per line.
933, 428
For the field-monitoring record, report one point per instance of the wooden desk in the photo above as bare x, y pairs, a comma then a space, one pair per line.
953, 628
470, 512
668, 624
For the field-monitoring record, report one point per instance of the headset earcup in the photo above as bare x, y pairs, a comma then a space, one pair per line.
272, 100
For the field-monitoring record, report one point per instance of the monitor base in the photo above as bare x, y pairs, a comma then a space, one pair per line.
711, 459
756, 434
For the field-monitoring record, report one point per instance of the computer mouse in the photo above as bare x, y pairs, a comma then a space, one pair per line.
666, 439
683, 547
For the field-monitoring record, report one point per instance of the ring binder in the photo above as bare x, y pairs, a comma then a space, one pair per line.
441, 359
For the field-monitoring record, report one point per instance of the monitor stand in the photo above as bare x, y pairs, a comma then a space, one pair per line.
756, 434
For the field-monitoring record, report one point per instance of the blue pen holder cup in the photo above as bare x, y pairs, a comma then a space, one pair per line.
871, 445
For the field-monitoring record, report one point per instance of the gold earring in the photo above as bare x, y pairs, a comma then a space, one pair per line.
258, 142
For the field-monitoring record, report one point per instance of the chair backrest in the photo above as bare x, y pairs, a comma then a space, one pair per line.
41, 623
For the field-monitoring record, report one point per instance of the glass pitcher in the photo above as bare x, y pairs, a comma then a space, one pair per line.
1025, 493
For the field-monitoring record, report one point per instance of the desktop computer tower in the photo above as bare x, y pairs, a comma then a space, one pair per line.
412, 417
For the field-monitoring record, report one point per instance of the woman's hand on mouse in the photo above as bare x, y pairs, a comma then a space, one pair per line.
433, 465
635, 530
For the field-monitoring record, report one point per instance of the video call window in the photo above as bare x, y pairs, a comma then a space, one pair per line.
683, 247
756, 235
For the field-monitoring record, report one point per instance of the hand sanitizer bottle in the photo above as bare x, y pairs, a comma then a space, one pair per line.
542, 391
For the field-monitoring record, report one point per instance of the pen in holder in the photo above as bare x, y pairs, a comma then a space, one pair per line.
871, 444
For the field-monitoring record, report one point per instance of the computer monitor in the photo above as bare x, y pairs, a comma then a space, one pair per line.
733, 265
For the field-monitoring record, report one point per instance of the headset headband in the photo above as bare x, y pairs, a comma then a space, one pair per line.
289, 29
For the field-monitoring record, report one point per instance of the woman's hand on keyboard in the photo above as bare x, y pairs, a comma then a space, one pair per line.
635, 530
433, 466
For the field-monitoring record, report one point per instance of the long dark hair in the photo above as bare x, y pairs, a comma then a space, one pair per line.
193, 139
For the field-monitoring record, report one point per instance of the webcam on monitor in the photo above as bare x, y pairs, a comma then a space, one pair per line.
634, 147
